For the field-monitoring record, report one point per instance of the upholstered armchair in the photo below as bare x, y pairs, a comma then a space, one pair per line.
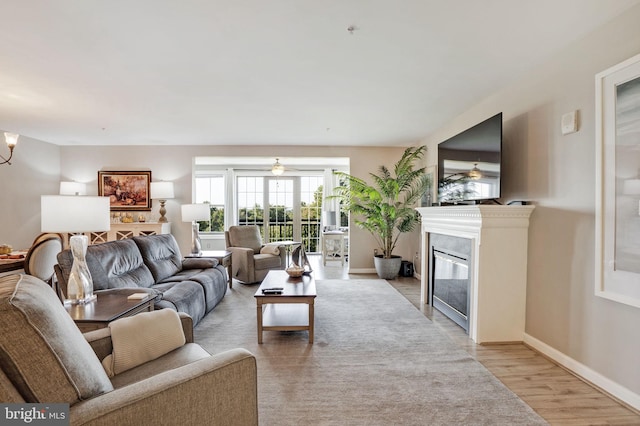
251, 260
45, 359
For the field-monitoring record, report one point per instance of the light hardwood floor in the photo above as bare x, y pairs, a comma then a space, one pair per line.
554, 393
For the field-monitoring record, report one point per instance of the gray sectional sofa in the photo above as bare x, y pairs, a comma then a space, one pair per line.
194, 286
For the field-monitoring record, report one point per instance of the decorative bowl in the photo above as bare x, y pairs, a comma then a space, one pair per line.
295, 272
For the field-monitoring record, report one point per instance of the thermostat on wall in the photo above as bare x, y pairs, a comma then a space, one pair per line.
569, 122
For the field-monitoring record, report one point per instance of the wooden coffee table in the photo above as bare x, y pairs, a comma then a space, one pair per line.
292, 310
110, 305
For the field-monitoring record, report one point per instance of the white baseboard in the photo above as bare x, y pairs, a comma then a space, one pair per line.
592, 376
373, 271
362, 270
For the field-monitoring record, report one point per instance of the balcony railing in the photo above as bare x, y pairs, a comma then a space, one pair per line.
284, 231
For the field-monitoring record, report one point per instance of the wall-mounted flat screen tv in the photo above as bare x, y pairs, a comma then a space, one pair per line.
469, 164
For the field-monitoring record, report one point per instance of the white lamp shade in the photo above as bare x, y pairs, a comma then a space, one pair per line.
161, 190
11, 139
195, 212
631, 187
64, 213
73, 188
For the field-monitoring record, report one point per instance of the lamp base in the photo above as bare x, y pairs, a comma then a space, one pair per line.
196, 245
80, 284
84, 301
163, 211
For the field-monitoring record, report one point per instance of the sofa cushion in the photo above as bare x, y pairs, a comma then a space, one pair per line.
246, 236
114, 264
38, 335
213, 281
267, 261
191, 352
161, 254
183, 296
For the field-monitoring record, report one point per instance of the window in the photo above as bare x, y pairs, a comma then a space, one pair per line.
284, 208
211, 189
250, 196
311, 188
243, 191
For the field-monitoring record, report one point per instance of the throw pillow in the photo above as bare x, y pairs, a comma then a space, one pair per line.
142, 338
271, 248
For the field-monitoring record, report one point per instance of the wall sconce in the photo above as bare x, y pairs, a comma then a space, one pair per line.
193, 213
71, 214
12, 141
162, 191
277, 169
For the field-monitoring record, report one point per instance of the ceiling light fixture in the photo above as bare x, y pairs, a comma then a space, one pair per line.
475, 172
277, 168
12, 141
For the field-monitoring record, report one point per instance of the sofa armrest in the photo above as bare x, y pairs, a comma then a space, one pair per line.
187, 326
199, 263
210, 391
100, 340
62, 282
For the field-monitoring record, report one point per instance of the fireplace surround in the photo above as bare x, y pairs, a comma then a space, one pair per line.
497, 264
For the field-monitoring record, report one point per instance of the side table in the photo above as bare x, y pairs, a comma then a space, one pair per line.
223, 257
110, 305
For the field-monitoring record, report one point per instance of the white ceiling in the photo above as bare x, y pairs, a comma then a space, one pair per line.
277, 72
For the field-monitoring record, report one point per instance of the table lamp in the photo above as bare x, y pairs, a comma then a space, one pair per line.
73, 188
76, 214
162, 191
193, 213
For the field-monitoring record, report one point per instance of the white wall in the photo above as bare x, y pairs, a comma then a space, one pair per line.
175, 164
35, 171
557, 173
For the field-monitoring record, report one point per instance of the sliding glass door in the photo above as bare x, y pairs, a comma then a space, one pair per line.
293, 207
280, 223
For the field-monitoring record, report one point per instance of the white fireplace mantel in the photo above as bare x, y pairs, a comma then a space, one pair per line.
497, 268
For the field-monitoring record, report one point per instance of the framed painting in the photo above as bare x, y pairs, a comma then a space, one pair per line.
618, 183
126, 190
430, 196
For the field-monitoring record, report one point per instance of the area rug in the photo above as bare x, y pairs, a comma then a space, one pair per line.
376, 360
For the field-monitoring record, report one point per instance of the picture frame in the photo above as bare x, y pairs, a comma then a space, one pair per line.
127, 190
430, 197
617, 272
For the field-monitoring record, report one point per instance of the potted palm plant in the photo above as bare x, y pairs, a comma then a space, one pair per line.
385, 207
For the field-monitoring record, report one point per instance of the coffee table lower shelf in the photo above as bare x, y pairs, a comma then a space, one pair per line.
285, 317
